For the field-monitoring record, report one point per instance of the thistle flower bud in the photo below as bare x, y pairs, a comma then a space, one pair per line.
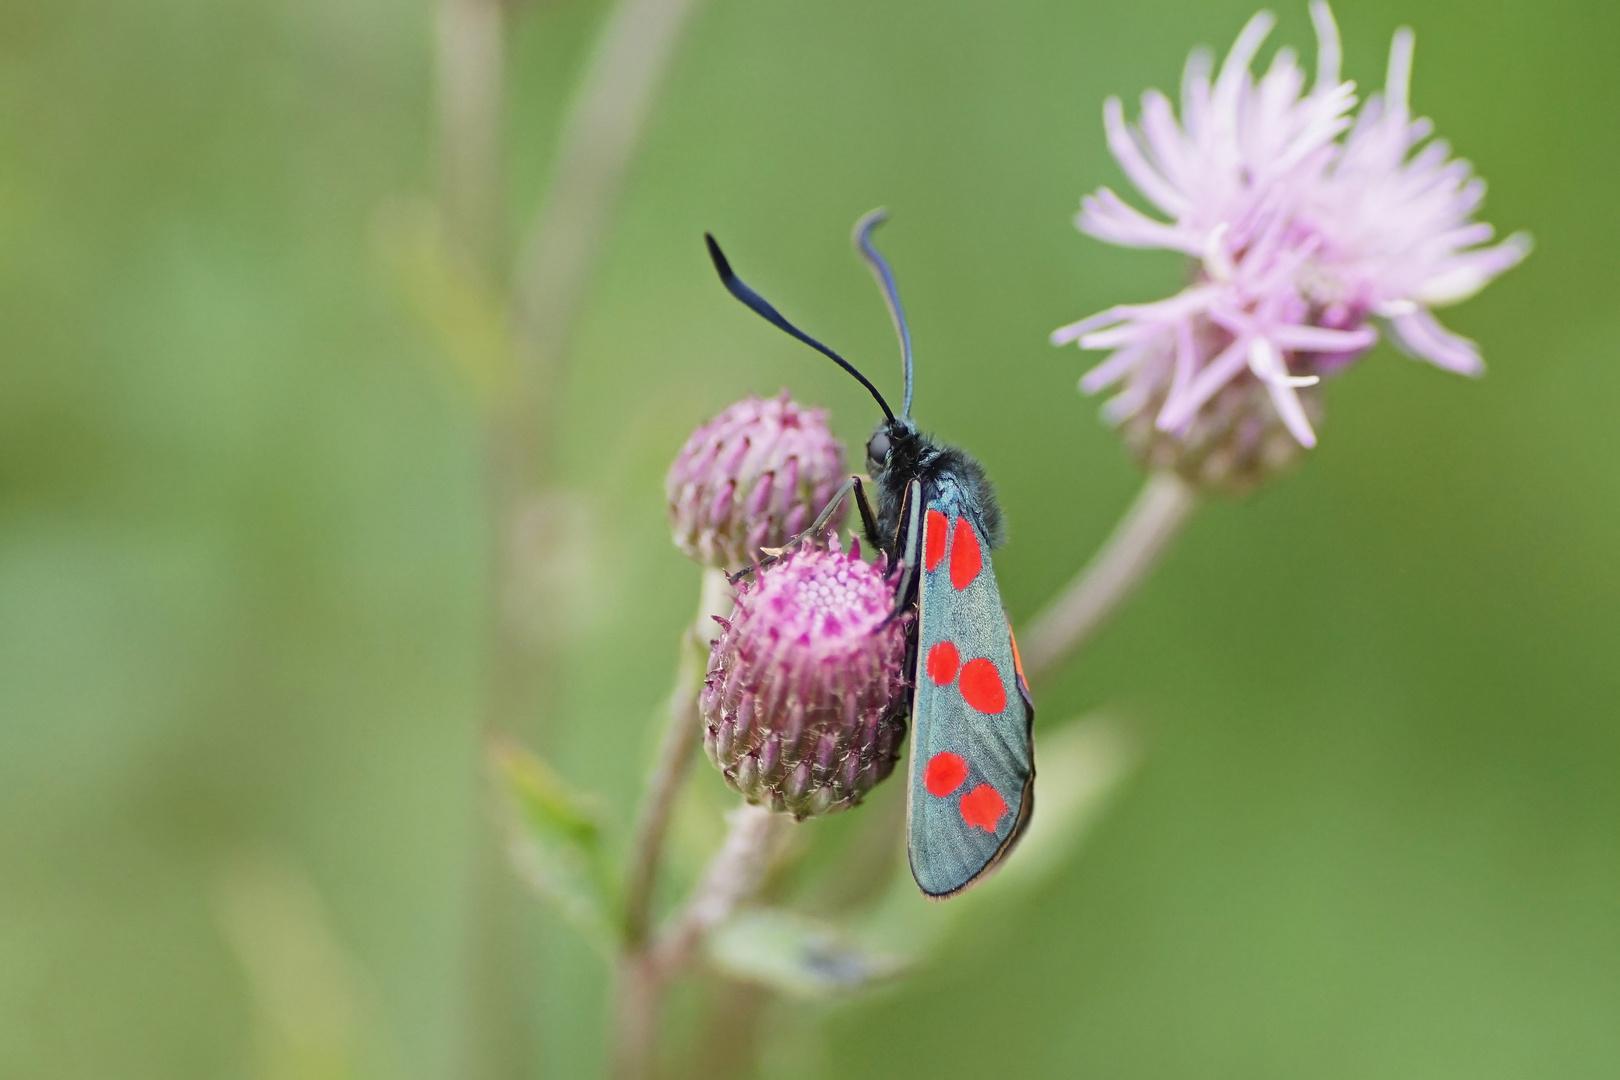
804, 704
752, 478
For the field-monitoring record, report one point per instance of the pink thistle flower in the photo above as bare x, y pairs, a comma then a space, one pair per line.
804, 705
753, 477
1309, 228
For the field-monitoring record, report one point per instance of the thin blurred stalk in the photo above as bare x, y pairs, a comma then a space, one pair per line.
729, 1044
471, 45
599, 139
470, 97
1132, 551
733, 876
600, 133
674, 761
647, 963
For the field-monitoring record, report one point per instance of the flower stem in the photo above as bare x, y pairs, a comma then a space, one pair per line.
471, 43
1144, 534
593, 154
674, 761
635, 1020
642, 968
734, 875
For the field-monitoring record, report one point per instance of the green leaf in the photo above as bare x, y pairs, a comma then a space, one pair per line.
554, 841
796, 954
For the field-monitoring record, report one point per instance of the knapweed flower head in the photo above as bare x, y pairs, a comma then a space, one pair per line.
1310, 226
804, 705
752, 478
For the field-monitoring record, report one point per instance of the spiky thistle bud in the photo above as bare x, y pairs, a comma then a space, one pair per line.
752, 478
804, 704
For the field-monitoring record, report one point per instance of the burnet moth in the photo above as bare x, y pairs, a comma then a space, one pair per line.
971, 777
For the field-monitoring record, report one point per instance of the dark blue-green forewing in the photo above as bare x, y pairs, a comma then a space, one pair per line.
970, 781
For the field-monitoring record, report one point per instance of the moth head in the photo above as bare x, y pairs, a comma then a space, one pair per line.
892, 442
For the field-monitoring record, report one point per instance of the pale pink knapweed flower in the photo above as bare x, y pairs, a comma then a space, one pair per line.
1311, 225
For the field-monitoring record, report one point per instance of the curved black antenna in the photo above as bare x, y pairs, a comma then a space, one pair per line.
891, 294
763, 309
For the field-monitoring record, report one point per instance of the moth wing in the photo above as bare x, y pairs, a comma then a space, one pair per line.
971, 773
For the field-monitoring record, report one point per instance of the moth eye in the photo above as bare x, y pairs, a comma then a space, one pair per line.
877, 451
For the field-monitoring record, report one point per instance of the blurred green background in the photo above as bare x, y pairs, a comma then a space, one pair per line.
244, 549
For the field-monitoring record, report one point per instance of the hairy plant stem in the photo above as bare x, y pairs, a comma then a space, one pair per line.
647, 964
674, 760
1091, 598
734, 875
470, 50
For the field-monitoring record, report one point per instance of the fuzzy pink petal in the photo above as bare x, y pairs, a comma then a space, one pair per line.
1420, 334
1128, 153
1216, 374
1293, 413
1318, 339
1111, 370
1109, 218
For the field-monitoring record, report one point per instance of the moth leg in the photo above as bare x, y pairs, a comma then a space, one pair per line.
913, 547
852, 484
869, 525
900, 518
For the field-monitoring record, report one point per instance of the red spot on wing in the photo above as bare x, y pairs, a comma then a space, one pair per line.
982, 808
943, 660
982, 687
966, 558
934, 539
944, 774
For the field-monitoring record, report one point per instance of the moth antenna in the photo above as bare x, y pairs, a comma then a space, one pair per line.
761, 307
891, 293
